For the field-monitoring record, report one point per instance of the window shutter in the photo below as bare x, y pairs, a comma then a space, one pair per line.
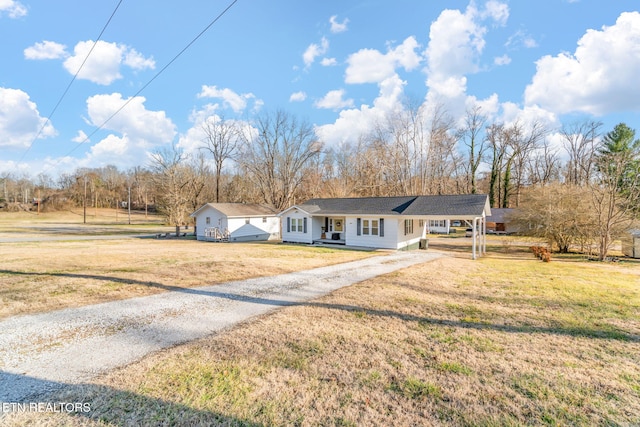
288, 225
381, 227
326, 224
304, 225
359, 227
406, 225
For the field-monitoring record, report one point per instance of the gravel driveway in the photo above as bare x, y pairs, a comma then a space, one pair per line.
43, 352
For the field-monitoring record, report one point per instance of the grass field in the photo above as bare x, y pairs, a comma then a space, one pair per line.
504, 340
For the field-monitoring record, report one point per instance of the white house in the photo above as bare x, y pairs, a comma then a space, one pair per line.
236, 222
383, 222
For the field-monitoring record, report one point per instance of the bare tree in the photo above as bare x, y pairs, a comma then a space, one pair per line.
471, 135
221, 140
173, 182
616, 192
581, 142
276, 152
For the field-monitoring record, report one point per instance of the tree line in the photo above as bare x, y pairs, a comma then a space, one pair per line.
277, 159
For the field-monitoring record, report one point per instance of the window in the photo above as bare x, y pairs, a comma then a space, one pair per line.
247, 220
207, 220
298, 225
408, 226
264, 219
421, 223
371, 227
437, 223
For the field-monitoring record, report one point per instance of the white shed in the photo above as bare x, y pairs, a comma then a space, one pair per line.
236, 222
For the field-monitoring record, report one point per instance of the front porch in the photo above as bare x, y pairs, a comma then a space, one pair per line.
331, 241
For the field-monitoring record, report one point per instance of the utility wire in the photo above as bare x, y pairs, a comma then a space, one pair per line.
48, 120
152, 79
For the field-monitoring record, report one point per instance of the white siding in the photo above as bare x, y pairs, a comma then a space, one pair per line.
297, 236
216, 219
407, 240
388, 241
219, 220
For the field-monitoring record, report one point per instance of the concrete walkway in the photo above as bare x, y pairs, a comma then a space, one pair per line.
44, 352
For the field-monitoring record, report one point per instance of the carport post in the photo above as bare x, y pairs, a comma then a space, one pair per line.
474, 228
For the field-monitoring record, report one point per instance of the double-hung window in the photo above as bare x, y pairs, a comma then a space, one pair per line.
408, 226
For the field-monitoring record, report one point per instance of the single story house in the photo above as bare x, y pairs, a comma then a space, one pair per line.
631, 244
498, 221
236, 222
399, 223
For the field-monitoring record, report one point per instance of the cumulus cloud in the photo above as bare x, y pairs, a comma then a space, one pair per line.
314, 50
20, 120
14, 9
334, 100
104, 63
338, 27
373, 66
81, 137
102, 66
46, 50
352, 123
599, 77
140, 130
237, 102
298, 97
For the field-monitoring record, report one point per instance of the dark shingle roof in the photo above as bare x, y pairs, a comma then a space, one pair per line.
463, 205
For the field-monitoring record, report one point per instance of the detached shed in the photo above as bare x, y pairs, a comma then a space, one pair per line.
236, 222
631, 244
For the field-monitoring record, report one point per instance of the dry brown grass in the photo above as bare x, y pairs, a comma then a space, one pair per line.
40, 276
505, 340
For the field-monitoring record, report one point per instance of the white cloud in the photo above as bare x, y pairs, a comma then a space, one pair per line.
497, 11
355, 122
46, 50
328, 62
104, 63
333, 100
14, 9
80, 138
143, 129
135, 60
20, 120
298, 97
372, 66
521, 39
502, 60
315, 50
338, 27
599, 78
237, 102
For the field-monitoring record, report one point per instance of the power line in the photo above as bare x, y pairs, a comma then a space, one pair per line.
48, 120
151, 80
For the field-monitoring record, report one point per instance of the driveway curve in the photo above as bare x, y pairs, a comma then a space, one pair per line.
43, 352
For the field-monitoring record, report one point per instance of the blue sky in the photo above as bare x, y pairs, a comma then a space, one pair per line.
340, 65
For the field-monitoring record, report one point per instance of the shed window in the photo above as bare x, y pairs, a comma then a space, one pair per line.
207, 220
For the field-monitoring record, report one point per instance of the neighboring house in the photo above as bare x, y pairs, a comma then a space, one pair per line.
236, 222
381, 222
498, 221
631, 244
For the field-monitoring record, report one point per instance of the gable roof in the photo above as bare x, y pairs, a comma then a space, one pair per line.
444, 205
232, 210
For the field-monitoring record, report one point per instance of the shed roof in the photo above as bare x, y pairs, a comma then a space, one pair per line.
442, 205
